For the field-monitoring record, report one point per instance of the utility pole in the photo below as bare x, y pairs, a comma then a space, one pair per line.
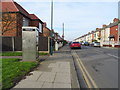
63, 31
119, 23
51, 33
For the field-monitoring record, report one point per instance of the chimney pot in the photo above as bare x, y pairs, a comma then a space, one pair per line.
104, 25
115, 20
97, 28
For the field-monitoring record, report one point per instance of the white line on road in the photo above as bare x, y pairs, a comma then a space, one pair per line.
113, 56
108, 54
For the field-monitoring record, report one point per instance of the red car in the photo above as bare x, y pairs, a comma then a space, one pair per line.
75, 45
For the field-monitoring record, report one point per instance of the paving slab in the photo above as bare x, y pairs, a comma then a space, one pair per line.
61, 70
34, 76
47, 77
61, 85
63, 78
47, 85
28, 84
57, 71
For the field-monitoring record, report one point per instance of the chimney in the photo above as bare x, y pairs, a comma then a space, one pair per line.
115, 20
97, 28
104, 25
44, 25
88, 32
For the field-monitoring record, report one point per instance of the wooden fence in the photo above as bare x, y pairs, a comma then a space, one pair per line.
15, 44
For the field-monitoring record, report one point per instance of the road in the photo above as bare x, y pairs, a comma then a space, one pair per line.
101, 64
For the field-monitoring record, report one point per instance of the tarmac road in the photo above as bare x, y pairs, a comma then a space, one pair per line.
101, 64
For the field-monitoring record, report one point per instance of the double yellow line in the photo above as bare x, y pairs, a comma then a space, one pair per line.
88, 79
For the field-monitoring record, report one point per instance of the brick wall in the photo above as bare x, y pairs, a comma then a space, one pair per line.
15, 28
46, 32
34, 23
19, 24
114, 31
9, 24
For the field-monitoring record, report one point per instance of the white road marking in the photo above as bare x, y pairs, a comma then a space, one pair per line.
108, 54
113, 56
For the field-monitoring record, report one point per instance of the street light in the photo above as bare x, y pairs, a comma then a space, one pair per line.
51, 33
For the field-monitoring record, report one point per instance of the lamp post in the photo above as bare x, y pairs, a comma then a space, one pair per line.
63, 31
63, 34
51, 33
118, 33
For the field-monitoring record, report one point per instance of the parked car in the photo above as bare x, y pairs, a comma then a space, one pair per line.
91, 44
75, 45
82, 43
86, 43
96, 44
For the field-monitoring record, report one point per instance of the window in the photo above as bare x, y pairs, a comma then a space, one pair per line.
25, 22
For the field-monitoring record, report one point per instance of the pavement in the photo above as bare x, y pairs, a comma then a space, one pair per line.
56, 71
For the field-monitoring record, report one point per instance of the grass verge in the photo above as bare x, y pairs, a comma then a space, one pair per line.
43, 53
11, 54
13, 70
17, 54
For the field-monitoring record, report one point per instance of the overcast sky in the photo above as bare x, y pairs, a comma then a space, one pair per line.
79, 17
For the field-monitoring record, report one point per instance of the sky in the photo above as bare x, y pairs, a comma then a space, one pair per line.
79, 17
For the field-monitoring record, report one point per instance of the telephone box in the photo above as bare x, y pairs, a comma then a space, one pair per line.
30, 38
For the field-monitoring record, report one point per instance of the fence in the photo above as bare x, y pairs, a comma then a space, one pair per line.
11, 43
15, 44
43, 44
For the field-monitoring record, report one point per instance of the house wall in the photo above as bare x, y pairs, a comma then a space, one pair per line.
16, 26
11, 21
114, 31
19, 24
102, 37
105, 33
92, 36
34, 23
97, 36
46, 32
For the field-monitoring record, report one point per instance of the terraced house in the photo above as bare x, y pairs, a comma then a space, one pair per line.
107, 35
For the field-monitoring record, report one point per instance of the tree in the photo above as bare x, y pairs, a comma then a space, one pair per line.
94, 40
9, 21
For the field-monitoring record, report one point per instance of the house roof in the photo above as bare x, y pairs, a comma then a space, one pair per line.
34, 17
113, 24
22, 10
9, 6
12, 6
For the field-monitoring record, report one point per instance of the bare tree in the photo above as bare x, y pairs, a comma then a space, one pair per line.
8, 21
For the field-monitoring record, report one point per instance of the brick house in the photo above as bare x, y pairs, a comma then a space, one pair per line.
35, 21
114, 39
16, 17
46, 31
108, 35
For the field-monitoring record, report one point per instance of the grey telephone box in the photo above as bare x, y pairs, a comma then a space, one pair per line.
30, 36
